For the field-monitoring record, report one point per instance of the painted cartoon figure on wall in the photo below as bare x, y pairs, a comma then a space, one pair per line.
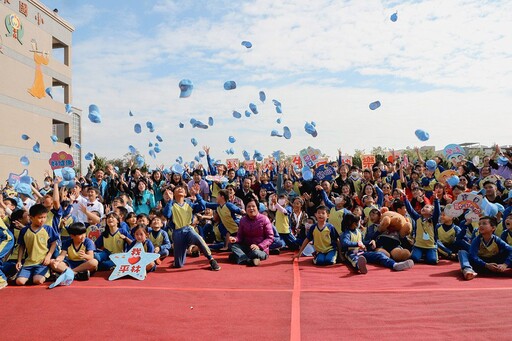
14, 27
40, 57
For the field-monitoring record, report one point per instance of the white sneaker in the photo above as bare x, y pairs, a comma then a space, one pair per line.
469, 274
361, 265
403, 265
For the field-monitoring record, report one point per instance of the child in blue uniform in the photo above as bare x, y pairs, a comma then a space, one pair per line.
355, 250
159, 238
487, 253
77, 253
228, 214
179, 218
450, 238
141, 234
39, 241
282, 222
424, 233
6, 245
506, 235
112, 240
325, 239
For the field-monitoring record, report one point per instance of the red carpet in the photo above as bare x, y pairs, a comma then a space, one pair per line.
276, 301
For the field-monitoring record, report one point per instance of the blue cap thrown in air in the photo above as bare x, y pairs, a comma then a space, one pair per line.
94, 114
181, 125
35, 148
159, 138
186, 88
177, 168
276, 102
275, 133
247, 113
422, 135
231, 139
236, 114
310, 129
502, 161
253, 108
89, 156
49, 92
157, 149
229, 85
278, 121
139, 160
287, 133
137, 128
394, 17
54, 138
210, 121
246, 155
132, 149
152, 153
263, 97
247, 44
194, 141
25, 137
24, 161
68, 108
279, 110
374, 105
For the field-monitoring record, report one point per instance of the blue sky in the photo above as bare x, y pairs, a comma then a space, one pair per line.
443, 66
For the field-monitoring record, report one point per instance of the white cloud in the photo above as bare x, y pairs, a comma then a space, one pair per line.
300, 52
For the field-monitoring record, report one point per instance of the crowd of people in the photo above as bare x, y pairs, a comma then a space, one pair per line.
53, 229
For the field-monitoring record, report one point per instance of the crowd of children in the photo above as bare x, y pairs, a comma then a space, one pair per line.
53, 230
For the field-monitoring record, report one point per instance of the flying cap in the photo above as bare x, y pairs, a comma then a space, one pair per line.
229, 85
186, 88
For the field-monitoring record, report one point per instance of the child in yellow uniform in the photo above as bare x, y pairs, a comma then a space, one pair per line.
39, 241
77, 253
487, 253
325, 239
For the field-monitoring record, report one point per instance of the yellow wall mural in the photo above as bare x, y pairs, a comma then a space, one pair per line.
40, 57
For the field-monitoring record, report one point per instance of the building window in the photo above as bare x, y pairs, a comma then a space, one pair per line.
76, 136
60, 129
60, 51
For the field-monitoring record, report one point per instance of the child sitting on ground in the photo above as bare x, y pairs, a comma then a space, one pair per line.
488, 253
325, 239
77, 253
355, 250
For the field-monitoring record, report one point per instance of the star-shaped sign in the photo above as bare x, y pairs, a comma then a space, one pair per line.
132, 263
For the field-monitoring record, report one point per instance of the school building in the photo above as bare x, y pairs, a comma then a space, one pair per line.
36, 91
